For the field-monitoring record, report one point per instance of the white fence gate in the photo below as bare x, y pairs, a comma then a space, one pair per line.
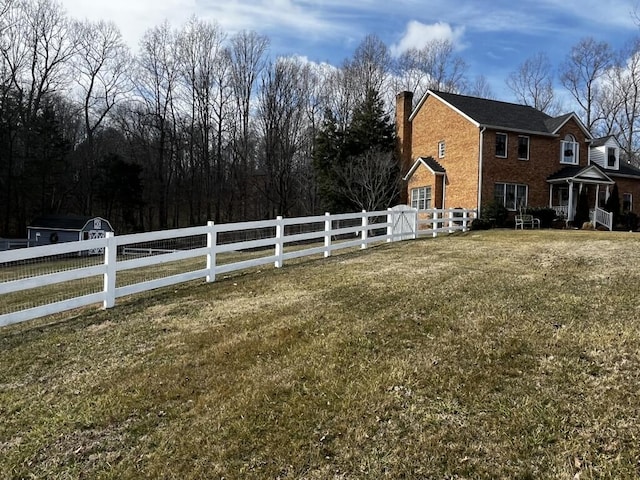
404, 220
40, 281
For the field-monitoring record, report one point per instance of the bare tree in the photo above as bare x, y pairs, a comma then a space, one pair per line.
369, 67
37, 44
281, 117
620, 106
248, 59
200, 53
367, 181
532, 83
38, 54
587, 62
102, 66
480, 88
432, 67
156, 80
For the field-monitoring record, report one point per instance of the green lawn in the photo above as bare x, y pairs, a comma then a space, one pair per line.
494, 354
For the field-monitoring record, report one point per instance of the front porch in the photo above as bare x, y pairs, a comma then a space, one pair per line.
566, 187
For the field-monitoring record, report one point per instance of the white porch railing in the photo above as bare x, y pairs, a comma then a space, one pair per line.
562, 211
602, 217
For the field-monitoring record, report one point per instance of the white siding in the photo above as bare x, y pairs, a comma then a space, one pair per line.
597, 156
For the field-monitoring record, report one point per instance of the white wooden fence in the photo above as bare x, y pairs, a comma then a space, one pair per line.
324, 234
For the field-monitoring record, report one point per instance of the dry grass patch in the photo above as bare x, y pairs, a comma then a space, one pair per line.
497, 354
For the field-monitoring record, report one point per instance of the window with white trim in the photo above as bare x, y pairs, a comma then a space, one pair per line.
569, 150
441, 149
501, 145
612, 157
421, 198
627, 202
512, 196
523, 147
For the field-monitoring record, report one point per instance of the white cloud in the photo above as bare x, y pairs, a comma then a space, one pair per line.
133, 17
418, 34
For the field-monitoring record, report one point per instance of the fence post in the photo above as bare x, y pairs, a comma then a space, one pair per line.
434, 223
327, 235
279, 241
389, 225
465, 219
451, 230
365, 224
211, 255
415, 224
110, 259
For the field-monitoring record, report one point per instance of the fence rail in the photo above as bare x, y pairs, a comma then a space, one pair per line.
196, 253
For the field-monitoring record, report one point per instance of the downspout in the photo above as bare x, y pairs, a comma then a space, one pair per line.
444, 191
480, 155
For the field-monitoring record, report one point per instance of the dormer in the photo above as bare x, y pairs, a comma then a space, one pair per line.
605, 152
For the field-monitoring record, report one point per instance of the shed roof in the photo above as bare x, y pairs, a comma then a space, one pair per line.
64, 222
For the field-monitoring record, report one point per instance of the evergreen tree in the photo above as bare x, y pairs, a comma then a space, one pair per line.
613, 204
327, 156
582, 209
349, 164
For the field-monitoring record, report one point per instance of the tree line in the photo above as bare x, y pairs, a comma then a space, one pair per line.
204, 125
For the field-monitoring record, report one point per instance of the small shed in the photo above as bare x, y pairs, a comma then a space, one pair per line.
52, 229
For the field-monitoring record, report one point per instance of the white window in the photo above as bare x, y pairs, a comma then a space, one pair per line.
441, 149
627, 202
421, 198
523, 148
511, 195
569, 150
501, 145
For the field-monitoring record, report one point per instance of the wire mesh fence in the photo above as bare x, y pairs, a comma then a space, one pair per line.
100, 270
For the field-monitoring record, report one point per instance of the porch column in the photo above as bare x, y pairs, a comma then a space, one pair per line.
606, 196
551, 195
597, 195
570, 207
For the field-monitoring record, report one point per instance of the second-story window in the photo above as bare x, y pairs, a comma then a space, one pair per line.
441, 148
501, 145
569, 151
611, 157
523, 148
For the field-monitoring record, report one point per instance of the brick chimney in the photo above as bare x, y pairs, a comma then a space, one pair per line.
404, 105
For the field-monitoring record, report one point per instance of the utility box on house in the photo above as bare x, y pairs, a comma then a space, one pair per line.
52, 229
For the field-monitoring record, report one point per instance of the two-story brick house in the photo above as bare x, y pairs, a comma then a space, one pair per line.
461, 151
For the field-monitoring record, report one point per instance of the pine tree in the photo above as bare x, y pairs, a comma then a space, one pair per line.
582, 209
613, 204
328, 154
349, 164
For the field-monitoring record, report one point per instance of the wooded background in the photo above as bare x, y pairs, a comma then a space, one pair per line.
203, 125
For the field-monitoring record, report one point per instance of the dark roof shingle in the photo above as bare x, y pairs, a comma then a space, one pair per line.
433, 164
509, 116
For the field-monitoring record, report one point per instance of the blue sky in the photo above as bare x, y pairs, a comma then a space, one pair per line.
494, 37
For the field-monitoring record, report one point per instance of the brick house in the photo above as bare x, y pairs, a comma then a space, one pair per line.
461, 151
